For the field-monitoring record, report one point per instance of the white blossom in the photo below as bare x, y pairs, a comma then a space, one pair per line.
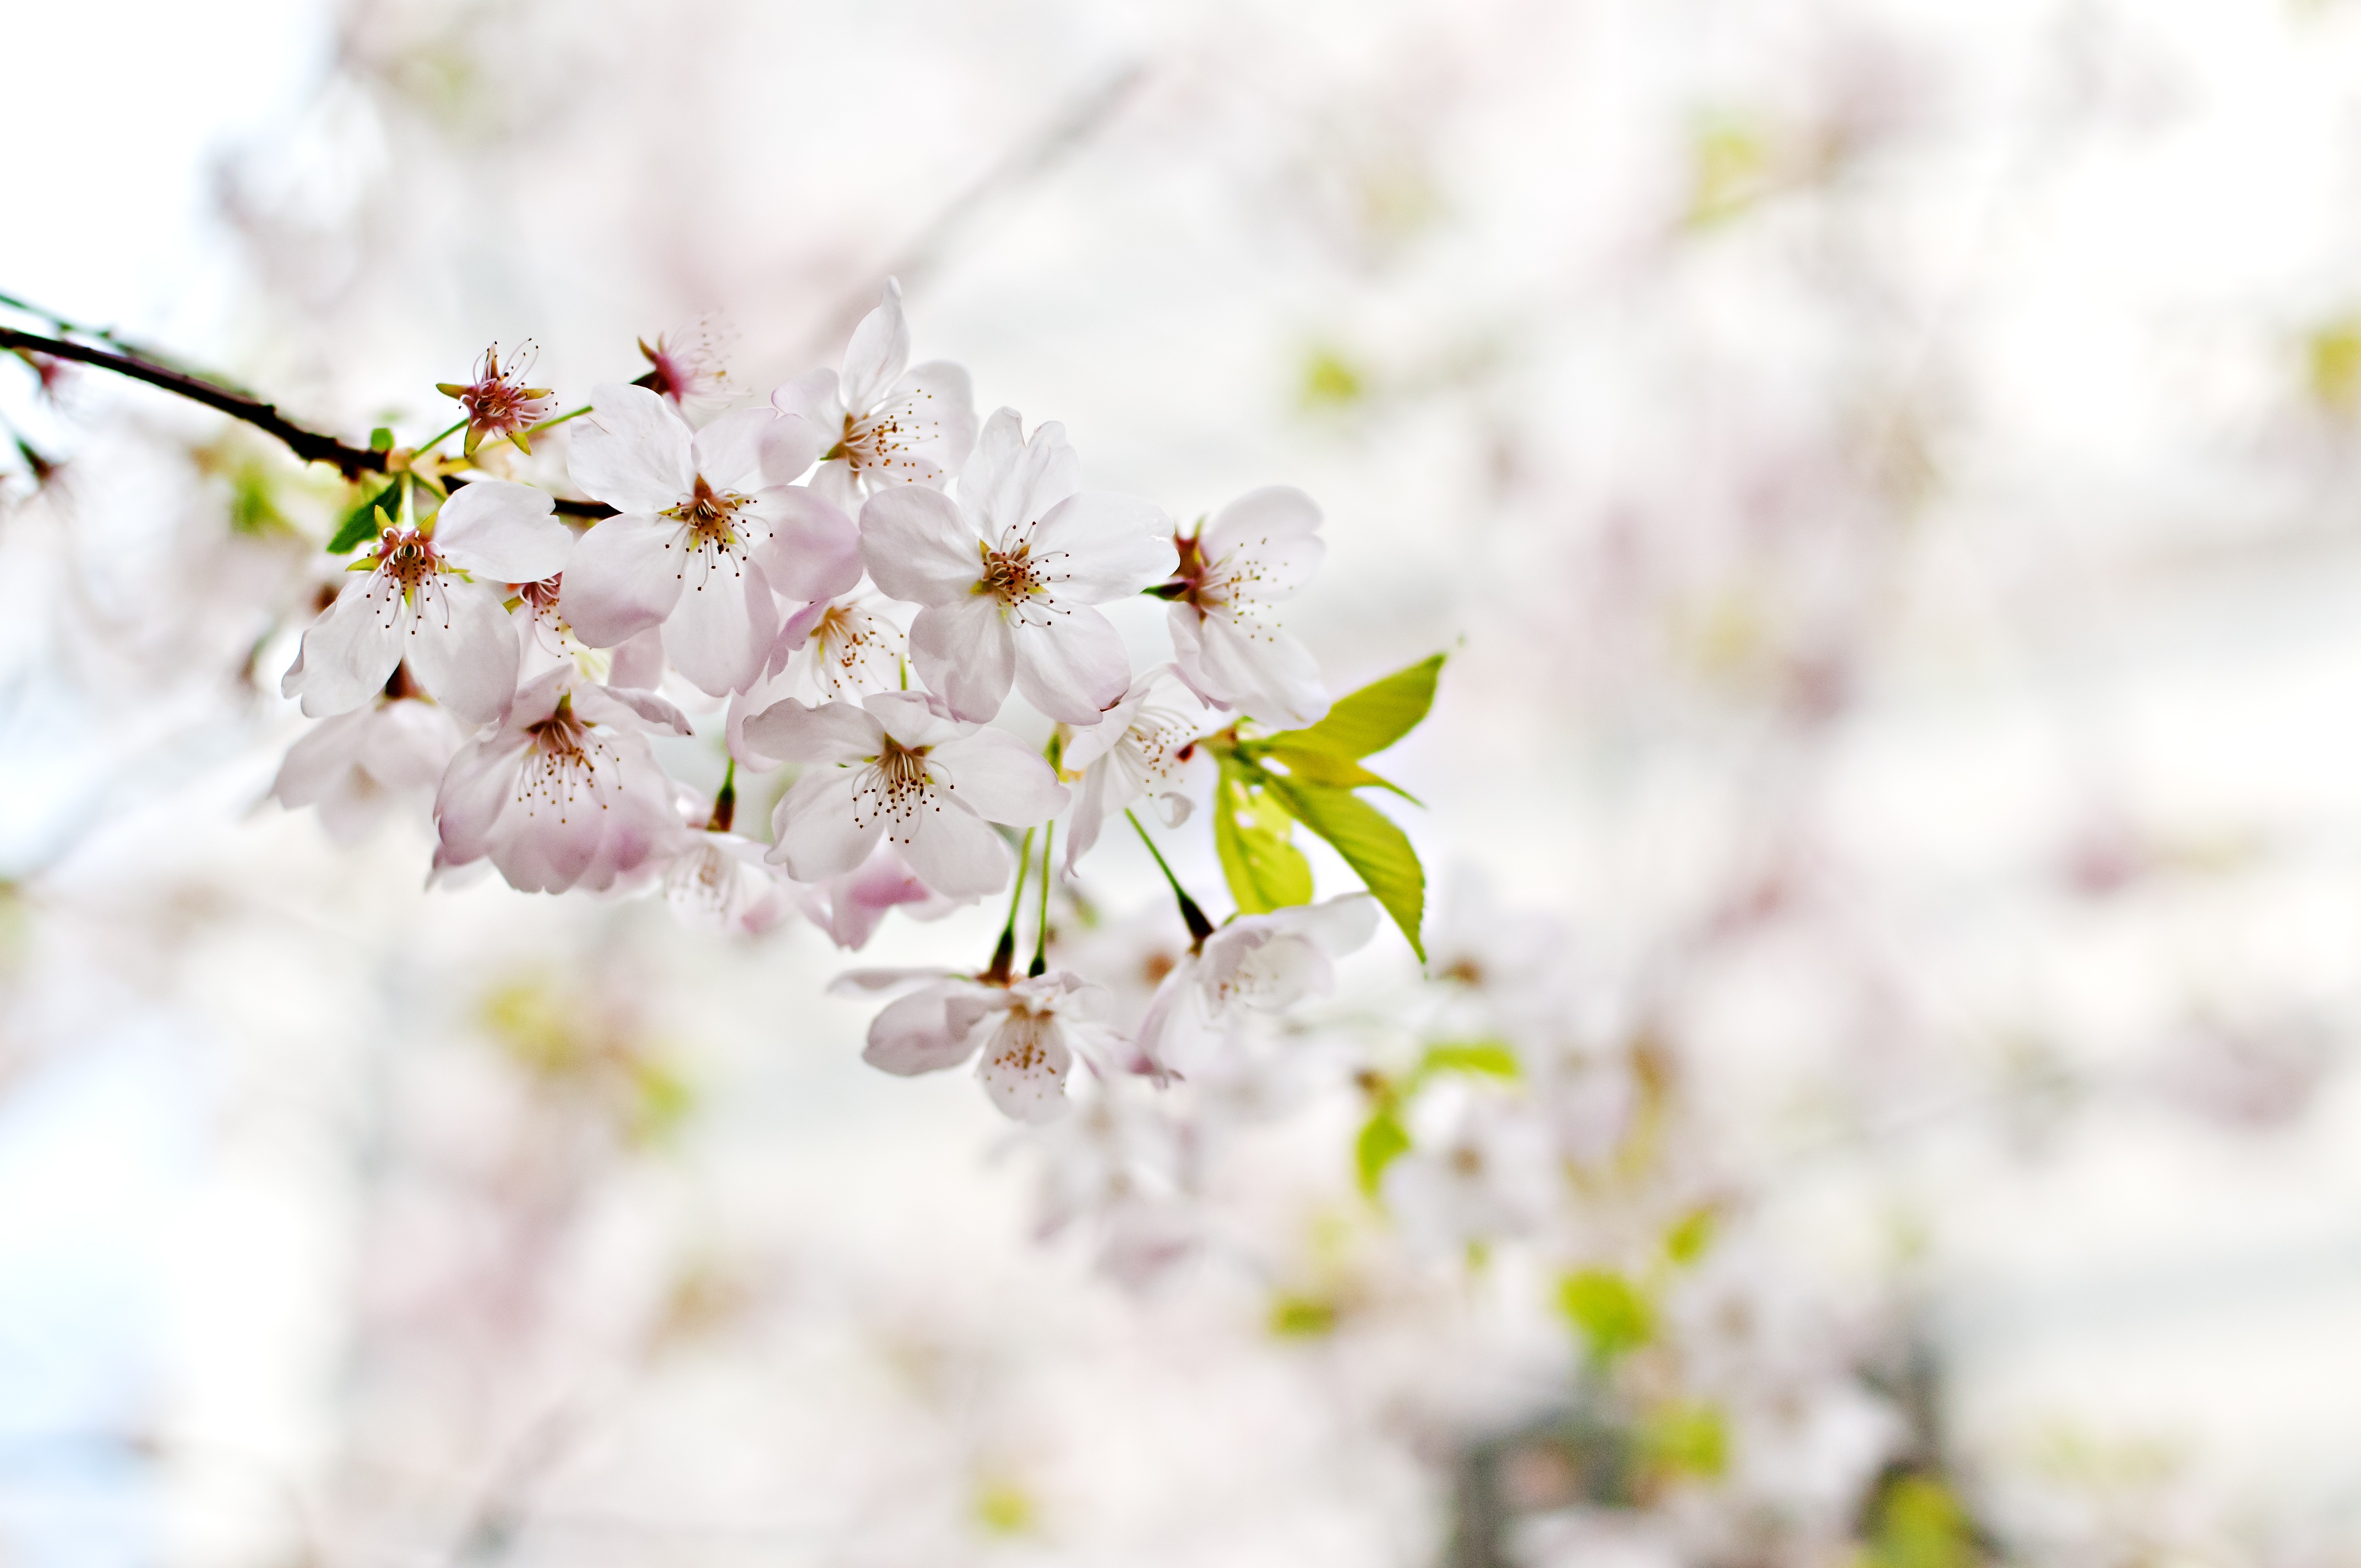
718, 881
880, 425
1264, 963
1257, 553
1006, 576
356, 766
1142, 748
1025, 1034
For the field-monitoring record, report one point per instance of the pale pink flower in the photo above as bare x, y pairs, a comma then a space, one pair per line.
432, 597
882, 426
851, 907
834, 650
717, 882
565, 793
1025, 1034
709, 532
1228, 642
901, 767
686, 368
1008, 573
1263, 963
1141, 748
356, 766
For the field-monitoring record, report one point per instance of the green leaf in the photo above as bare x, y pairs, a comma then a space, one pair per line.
1301, 1317
1687, 1440
1920, 1525
1330, 769
1372, 718
1686, 1240
381, 439
1614, 1316
1490, 1058
360, 524
1254, 836
1383, 1140
1379, 852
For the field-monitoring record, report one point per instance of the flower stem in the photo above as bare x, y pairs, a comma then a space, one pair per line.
1041, 943
554, 422
425, 446
1004, 953
1193, 918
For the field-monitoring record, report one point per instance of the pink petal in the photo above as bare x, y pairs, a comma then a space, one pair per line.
1073, 669
625, 576
814, 549
633, 452
464, 649
880, 348
966, 650
349, 652
720, 632
832, 734
502, 530
917, 546
955, 852
819, 831
1100, 546
1002, 778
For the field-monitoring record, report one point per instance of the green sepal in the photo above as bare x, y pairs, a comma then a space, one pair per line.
360, 524
1372, 718
1253, 835
1378, 851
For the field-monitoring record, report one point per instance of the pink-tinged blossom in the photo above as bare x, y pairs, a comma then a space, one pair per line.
840, 650
1008, 573
1025, 1035
1258, 963
717, 882
900, 768
497, 403
565, 793
432, 597
709, 532
1257, 553
1142, 748
356, 766
883, 426
686, 368
851, 907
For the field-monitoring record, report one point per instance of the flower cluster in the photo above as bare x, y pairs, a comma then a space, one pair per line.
859, 581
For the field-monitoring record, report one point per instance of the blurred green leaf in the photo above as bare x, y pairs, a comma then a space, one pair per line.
1687, 1440
1330, 382
1383, 1140
1301, 1317
1492, 1058
1613, 1316
1918, 1524
1688, 1238
1370, 719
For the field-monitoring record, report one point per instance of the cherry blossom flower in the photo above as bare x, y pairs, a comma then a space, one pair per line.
851, 907
1488, 1172
421, 601
1227, 639
835, 650
686, 368
497, 403
1025, 1034
708, 530
1140, 748
357, 765
884, 427
1006, 576
1264, 963
899, 767
565, 793
718, 882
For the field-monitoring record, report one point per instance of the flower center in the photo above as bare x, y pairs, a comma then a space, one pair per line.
711, 516
897, 783
871, 439
408, 557
562, 765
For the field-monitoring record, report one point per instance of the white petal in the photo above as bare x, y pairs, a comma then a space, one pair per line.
633, 452
350, 651
880, 348
480, 782
720, 632
812, 396
753, 449
628, 709
915, 720
1044, 474
1073, 669
955, 852
818, 833
1094, 801
919, 1034
814, 549
1256, 668
318, 763
967, 651
1277, 528
917, 546
1002, 778
999, 446
1098, 545
829, 734
941, 397
1024, 1068
625, 576
464, 649
638, 662
502, 530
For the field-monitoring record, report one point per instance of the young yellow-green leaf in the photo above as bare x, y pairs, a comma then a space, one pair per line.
1920, 1525
1301, 1317
1686, 1240
360, 524
1687, 1440
1492, 1058
1253, 835
1383, 1140
1372, 718
1614, 1316
1332, 769
1379, 852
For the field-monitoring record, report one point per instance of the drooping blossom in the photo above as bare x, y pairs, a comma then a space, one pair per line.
1006, 575
432, 597
356, 766
497, 403
718, 881
710, 533
1140, 748
899, 767
687, 367
1264, 963
1025, 1034
851, 907
565, 793
883, 426
1228, 642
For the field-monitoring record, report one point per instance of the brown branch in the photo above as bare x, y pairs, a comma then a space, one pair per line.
308, 444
